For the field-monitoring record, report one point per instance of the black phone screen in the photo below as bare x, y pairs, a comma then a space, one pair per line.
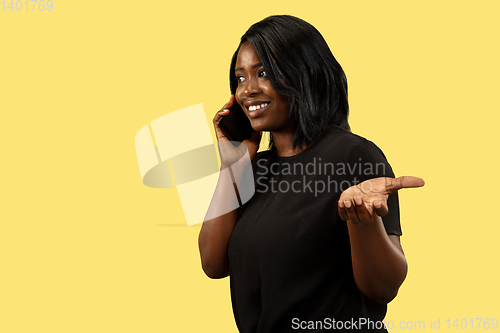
236, 125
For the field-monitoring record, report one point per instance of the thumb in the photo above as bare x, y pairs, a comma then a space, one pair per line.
395, 184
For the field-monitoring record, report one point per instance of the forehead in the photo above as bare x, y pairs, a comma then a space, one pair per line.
247, 56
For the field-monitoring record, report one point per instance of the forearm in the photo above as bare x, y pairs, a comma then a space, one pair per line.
221, 216
379, 265
213, 242
216, 230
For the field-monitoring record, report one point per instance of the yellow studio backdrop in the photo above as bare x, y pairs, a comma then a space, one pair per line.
86, 247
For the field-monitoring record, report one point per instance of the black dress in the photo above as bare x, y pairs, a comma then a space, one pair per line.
289, 253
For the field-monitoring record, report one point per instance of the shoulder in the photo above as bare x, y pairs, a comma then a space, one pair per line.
342, 142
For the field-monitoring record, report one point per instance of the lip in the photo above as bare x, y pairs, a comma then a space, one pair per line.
256, 113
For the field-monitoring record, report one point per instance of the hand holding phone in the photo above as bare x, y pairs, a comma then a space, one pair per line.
236, 125
231, 124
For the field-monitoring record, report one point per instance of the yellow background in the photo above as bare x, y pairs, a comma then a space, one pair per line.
86, 247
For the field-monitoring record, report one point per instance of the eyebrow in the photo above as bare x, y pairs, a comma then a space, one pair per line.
253, 67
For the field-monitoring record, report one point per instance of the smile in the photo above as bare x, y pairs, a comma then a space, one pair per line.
257, 107
257, 110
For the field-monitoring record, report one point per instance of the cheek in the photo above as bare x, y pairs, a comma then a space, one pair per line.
239, 96
281, 104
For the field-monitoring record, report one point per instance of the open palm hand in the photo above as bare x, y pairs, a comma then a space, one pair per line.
362, 202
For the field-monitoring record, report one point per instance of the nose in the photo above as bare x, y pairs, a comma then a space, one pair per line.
252, 87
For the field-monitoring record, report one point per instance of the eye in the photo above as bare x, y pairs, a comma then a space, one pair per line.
262, 73
240, 79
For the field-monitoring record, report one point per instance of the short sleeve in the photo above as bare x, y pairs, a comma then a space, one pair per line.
370, 162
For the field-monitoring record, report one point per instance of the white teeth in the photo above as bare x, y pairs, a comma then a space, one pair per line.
257, 107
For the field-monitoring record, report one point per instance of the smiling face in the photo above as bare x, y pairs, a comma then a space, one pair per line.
266, 108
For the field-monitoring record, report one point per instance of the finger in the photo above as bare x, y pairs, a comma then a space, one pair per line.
219, 115
362, 212
218, 132
380, 207
342, 211
229, 103
395, 184
351, 212
224, 111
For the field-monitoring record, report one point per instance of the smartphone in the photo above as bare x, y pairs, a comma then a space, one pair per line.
236, 125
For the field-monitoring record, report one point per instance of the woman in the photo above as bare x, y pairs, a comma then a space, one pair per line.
310, 250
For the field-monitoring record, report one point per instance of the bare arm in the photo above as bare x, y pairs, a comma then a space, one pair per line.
378, 261
221, 216
215, 234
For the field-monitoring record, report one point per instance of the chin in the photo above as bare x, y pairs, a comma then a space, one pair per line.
257, 125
